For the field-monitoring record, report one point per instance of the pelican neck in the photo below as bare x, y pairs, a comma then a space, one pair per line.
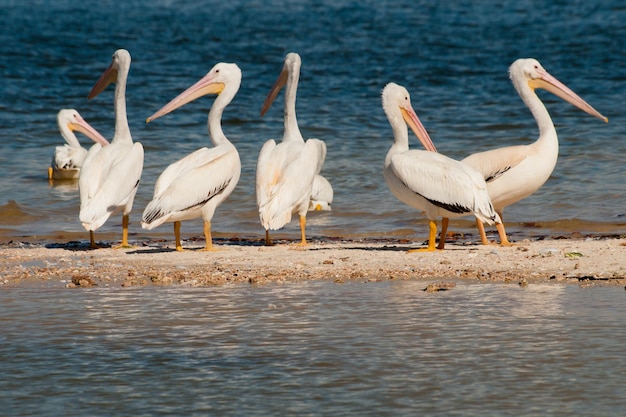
122, 130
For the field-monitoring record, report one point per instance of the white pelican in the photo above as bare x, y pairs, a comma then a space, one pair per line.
321, 194
68, 158
515, 172
426, 180
110, 175
285, 171
195, 185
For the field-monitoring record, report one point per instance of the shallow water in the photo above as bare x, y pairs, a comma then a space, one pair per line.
453, 59
314, 348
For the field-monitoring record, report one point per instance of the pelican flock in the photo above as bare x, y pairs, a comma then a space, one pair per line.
110, 174
426, 180
197, 184
515, 172
68, 159
286, 171
288, 179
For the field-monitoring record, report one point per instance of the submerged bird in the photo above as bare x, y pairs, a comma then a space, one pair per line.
110, 174
285, 171
321, 194
515, 172
195, 185
426, 180
68, 158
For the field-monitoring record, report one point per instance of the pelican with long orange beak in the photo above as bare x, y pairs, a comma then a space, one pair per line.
426, 180
110, 174
515, 172
197, 184
285, 171
68, 159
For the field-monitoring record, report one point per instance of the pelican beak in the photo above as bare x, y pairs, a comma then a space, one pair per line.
80, 125
551, 84
411, 119
108, 76
205, 86
280, 83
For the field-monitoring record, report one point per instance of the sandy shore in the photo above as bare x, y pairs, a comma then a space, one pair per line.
590, 260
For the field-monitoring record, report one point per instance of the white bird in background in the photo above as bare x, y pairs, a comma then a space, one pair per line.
426, 180
68, 158
285, 171
110, 175
515, 172
321, 194
195, 185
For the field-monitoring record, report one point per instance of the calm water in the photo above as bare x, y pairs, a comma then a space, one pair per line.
316, 348
454, 60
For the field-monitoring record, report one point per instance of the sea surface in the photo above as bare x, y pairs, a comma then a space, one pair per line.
453, 58
314, 349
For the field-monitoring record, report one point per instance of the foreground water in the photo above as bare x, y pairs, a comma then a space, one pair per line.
452, 58
314, 348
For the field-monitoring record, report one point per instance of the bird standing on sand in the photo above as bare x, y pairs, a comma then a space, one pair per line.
197, 184
286, 171
110, 174
515, 172
426, 180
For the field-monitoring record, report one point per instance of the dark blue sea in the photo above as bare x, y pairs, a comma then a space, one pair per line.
453, 58
314, 348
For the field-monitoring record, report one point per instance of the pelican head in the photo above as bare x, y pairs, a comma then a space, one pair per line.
119, 62
397, 106
291, 66
530, 71
70, 120
222, 76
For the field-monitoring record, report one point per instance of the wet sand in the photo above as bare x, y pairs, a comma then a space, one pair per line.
582, 260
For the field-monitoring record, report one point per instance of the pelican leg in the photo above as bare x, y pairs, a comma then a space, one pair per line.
92, 241
179, 246
208, 246
268, 239
504, 241
432, 236
50, 172
444, 230
481, 229
124, 244
303, 230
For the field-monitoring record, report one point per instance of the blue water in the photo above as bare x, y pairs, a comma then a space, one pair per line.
315, 348
452, 58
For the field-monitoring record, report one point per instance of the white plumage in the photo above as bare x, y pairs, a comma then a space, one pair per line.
515, 172
321, 194
197, 184
110, 175
426, 180
68, 159
285, 171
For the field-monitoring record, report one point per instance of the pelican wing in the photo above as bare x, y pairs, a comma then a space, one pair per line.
285, 178
69, 157
192, 182
268, 170
108, 179
444, 182
494, 163
321, 145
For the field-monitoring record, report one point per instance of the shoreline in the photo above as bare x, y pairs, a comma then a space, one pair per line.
584, 260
